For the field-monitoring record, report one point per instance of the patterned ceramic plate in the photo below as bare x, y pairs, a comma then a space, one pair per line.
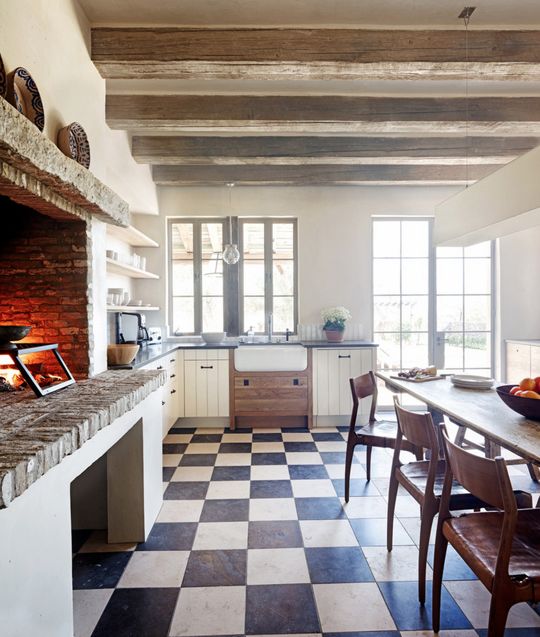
3, 79
23, 94
73, 142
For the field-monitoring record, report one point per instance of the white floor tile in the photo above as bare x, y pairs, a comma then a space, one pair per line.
270, 472
171, 459
327, 533
88, 606
172, 439
303, 457
406, 507
180, 511
337, 471
400, 564
202, 447
263, 509
294, 436
277, 566
228, 490
412, 526
330, 445
233, 460
313, 489
97, 543
218, 610
267, 447
236, 438
154, 569
352, 607
221, 535
192, 474
372, 506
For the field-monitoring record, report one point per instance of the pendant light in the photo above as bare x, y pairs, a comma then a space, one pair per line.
231, 254
465, 15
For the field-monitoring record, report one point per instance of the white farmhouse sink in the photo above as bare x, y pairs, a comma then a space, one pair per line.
270, 358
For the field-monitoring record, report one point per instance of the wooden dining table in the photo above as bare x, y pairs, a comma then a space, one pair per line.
481, 411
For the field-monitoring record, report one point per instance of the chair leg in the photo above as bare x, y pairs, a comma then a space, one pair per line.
425, 531
533, 472
368, 462
392, 494
351, 443
498, 614
441, 544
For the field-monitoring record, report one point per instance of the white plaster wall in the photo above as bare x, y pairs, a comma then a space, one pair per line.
51, 39
334, 236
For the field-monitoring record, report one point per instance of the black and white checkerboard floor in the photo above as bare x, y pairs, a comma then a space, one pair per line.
254, 538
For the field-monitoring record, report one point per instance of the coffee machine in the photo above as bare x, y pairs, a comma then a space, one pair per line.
130, 327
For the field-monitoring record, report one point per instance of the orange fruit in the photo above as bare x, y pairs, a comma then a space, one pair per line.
528, 384
537, 381
514, 390
530, 394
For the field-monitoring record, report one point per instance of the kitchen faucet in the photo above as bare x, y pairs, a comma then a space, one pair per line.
269, 326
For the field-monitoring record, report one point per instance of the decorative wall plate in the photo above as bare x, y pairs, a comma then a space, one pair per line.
73, 142
3, 79
23, 94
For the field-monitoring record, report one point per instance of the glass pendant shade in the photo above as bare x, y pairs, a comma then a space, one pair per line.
231, 254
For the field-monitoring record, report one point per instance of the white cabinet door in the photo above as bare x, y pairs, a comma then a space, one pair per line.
180, 407
206, 383
223, 388
190, 388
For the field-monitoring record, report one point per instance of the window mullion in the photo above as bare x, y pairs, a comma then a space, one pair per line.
197, 276
268, 263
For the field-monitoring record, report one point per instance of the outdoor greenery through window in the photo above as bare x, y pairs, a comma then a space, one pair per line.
208, 296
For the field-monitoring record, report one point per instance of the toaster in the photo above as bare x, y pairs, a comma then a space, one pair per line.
154, 335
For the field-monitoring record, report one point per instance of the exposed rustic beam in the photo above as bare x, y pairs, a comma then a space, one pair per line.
315, 175
250, 53
328, 150
325, 114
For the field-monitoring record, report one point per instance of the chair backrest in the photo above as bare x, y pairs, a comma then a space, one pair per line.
485, 478
362, 387
417, 428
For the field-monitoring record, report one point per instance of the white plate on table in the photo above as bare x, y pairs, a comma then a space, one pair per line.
470, 381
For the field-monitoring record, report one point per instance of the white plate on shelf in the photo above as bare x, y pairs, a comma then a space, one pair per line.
470, 381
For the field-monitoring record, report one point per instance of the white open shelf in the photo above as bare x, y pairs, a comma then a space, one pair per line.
114, 267
131, 308
132, 236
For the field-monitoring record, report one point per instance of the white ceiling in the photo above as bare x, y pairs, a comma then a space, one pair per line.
316, 13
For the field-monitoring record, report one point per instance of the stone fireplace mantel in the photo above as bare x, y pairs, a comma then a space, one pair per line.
35, 173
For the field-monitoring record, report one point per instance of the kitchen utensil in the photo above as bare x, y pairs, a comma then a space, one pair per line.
470, 381
23, 94
10, 333
73, 142
528, 407
213, 337
121, 354
3, 79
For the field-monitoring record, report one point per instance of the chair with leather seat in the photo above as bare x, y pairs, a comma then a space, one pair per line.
377, 433
502, 546
423, 480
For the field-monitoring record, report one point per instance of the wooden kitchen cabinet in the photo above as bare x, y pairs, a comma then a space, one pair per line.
332, 369
206, 383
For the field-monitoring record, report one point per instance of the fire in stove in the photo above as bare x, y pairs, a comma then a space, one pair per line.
11, 378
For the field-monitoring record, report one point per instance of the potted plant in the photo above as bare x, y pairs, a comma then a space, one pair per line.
334, 319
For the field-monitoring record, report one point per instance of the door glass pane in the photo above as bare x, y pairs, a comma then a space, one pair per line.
182, 278
183, 315
478, 250
453, 351
414, 350
254, 313
283, 313
388, 352
414, 276
477, 313
386, 276
445, 253
254, 278
387, 313
182, 241
253, 240
477, 350
414, 313
386, 238
212, 313
212, 276
449, 276
477, 276
449, 313
283, 278
414, 239
283, 240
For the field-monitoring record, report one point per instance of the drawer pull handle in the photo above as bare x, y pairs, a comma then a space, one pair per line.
171, 360
296, 381
162, 403
172, 376
173, 391
207, 367
246, 382
159, 367
344, 356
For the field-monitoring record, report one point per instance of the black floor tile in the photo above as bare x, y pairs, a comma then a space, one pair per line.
235, 447
343, 428
241, 430
206, 438
335, 457
279, 609
308, 472
368, 633
327, 437
225, 511
216, 568
358, 487
319, 509
300, 446
336, 565
174, 448
78, 538
198, 460
274, 535
99, 570
295, 430
454, 567
186, 491
372, 532
168, 473
170, 536
271, 489
268, 458
271, 437
231, 473
133, 612
182, 430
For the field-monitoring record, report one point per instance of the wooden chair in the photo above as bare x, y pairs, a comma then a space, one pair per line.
502, 547
377, 433
423, 480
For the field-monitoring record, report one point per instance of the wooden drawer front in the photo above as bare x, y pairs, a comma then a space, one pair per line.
275, 382
253, 405
518, 362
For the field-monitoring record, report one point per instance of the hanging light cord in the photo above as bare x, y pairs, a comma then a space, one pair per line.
465, 15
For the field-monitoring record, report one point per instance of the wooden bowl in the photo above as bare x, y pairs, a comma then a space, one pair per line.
73, 142
121, 354
23, 94
3, 79
528, 407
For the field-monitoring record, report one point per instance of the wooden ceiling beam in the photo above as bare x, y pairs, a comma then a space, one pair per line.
518, 116
316, 175
328, 150
277, 54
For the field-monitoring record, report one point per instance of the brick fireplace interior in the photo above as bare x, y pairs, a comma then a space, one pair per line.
44, 282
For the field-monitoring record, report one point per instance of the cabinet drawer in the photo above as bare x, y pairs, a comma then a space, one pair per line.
252, 405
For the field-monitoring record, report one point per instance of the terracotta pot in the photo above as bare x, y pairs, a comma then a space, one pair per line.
334, 336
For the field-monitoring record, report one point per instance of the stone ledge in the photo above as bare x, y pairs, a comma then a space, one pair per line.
34, 172
36, 434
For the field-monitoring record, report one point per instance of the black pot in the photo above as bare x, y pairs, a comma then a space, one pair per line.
13, 332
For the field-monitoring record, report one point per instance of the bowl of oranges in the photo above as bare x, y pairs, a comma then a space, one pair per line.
523, 398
